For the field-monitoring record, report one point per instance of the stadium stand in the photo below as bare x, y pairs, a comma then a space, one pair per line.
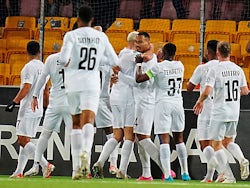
185, 29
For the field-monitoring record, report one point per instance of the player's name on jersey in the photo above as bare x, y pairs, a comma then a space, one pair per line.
89, 40
173, 71
230, 73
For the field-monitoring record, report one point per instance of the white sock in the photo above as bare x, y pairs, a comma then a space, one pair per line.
21, 161
222, 163
41, 147
145, 162
114, 155
165, 159
182, 156
127, 149
152, 150
211, 162
88, 132
235, 150
76, 148
108, 148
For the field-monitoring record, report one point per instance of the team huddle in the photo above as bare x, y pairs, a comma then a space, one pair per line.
145, 89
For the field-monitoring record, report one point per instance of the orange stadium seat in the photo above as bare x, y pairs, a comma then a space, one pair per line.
72, 21
118, 44
125, 24
158, 29
185, 29
235, 55
16, 60
19, 27
52, 45
4, 73
247, 74
3, 50
189, 69
220, 30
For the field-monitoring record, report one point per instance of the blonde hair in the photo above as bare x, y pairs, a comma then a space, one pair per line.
132, 35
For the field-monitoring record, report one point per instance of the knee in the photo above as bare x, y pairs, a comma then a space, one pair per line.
23, 140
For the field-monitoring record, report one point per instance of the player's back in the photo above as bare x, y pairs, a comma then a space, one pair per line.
169, 80
30, 74
56, 73
229, 78
87, 47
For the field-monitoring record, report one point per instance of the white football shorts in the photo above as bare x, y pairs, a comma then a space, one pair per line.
144, 119
104, 117
54, 117
84, 100
221, 129
203, 129
123, 115
27, 126
168, 117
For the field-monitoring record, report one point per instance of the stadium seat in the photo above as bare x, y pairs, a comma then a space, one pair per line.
125, 24
16, 60
221, 30
158, 29
72, 21
55, 27
242, 38
19, 27
4, 73
188, 59
1, 32
185, 29
52, 45
3, 50
189, 69
235, 55
187, 47
246, 72
118, 44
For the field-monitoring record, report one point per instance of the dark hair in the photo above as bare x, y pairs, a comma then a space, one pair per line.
85, 13
212, 45
33, 47
145, 34
169, 49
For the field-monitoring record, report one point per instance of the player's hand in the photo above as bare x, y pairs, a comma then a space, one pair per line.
113, 79
116, 69
138, 58
198, 107
10, 106
34, 104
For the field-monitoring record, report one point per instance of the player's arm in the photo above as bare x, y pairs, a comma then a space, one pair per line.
190, 86
66, 50
244, 90
199, 103
140, 77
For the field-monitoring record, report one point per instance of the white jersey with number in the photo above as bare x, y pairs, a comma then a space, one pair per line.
199, 77
168, 80
85, 48
56, 73
122, 91
145, 91
30, 74
226, 79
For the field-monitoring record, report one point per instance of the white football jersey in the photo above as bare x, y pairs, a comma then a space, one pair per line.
168, 80
199, 77
105, 74
226, 79
56, 72
84, 48
145, 91
122, 91
30, 74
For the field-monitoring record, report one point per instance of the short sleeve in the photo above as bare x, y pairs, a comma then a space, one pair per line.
210, 78
196, 76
